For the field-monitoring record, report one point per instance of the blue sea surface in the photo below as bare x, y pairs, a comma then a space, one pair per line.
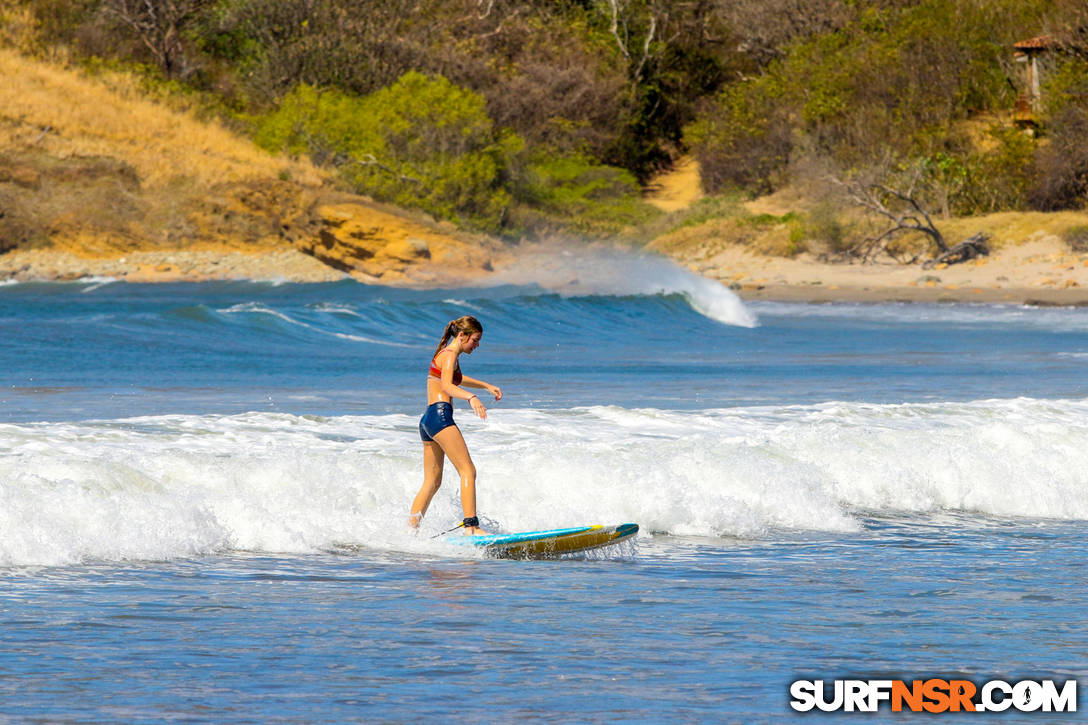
204, 491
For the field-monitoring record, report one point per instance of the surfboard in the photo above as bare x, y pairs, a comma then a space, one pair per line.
547, 544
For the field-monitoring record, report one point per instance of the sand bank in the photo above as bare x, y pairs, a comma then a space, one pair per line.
1044, 271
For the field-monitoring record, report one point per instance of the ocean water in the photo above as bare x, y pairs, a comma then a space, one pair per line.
204, 490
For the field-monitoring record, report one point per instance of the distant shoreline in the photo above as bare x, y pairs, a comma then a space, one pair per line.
1042, 272
911, 295
1029, 275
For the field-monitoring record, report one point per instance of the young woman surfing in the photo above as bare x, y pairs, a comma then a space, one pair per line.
441, 436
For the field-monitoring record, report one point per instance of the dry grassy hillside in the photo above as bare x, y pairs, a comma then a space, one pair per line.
95, 178
64, 113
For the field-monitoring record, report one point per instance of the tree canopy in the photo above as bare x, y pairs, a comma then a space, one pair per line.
509, 115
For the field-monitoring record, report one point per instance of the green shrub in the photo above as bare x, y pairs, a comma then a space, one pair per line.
1061, 163
766, 220
718, 206
1077, 238
573, 193
822, 226
744, 142
422, 143
997, 179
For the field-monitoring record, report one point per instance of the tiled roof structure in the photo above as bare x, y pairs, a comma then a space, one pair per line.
1039, 42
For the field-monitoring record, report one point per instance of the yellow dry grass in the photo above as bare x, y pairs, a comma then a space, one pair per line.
977, 128
88, 117
1013, 228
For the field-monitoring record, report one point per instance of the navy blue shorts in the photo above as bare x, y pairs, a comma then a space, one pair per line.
438, 417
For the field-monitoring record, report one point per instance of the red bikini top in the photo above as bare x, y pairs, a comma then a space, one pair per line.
436, 372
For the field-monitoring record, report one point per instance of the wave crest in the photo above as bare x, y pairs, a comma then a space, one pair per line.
615, 272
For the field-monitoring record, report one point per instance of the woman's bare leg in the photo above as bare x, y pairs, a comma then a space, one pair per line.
453, 445
433, 460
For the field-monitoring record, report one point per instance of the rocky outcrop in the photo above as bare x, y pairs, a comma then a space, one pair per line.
372, 244
94, 210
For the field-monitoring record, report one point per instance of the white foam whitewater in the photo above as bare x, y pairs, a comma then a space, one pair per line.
181, 486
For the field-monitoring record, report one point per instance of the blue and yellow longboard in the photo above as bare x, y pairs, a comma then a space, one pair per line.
547, 544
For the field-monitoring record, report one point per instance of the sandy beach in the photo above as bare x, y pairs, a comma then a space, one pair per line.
1041, 272
1038, 272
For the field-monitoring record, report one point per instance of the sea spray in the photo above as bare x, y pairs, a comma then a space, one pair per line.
616, 272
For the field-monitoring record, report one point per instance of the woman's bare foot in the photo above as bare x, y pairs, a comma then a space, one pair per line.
475, 531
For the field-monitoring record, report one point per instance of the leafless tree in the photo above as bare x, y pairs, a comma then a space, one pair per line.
551, 88
898, 198
641, 29
158, 25
900, 206
624, 31
762, 28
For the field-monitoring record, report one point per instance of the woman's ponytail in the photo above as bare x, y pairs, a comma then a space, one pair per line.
468, 325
